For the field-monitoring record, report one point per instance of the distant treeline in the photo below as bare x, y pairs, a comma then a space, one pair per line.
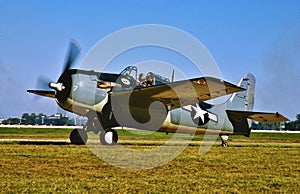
290, 125
60, 119
42, 119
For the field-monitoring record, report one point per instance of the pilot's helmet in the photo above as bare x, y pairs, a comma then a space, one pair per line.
142, 77
150, 76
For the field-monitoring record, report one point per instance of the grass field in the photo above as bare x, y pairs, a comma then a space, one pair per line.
65, 168
53, 133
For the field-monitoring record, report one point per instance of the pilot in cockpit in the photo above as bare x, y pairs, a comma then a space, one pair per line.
150, 79
142, 80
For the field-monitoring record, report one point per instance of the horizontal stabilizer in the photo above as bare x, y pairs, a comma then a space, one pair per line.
261, 117
49, 94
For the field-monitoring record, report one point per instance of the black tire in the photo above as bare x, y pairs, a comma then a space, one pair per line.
225, 144
78, 137
109, 137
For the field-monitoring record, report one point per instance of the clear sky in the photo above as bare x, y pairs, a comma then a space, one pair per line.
261, 37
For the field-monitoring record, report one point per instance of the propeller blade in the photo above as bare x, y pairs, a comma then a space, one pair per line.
43, 83
49, 94
73, 53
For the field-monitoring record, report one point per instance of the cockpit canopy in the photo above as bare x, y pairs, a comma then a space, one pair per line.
143, 79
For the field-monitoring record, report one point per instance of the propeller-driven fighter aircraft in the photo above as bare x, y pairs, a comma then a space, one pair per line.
153, 102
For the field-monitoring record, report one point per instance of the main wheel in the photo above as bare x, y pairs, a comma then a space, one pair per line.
78, 137
109, 137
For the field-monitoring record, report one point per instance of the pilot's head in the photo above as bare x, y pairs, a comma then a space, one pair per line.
142, 77
149, 77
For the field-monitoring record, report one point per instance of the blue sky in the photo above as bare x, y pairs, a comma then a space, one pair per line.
261, 37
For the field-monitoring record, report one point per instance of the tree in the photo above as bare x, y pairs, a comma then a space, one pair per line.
28, 119
41, 115
33, 116
298, 118
11, 121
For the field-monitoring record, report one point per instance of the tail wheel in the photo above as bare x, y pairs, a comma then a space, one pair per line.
109, 137
225, 144
78, 137
224, 139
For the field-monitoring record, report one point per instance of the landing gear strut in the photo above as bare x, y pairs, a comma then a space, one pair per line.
80, 137
225, 144
107, 137
224, 139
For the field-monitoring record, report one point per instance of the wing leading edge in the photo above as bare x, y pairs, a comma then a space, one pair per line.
181, 93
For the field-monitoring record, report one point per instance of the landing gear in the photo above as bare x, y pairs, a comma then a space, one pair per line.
225, 144
109, 137
93, 125
78, 137
224, 139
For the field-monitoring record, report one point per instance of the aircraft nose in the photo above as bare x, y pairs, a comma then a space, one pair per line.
57, 86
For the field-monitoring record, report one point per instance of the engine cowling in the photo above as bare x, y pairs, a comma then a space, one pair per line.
77, 91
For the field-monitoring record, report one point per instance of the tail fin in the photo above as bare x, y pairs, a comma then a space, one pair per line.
240, 108
243, 100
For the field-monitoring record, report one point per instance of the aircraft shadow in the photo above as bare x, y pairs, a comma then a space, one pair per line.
42, 143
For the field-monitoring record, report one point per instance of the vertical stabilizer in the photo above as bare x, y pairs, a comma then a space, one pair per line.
243, 100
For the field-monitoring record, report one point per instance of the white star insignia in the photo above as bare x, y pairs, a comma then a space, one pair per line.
199, 112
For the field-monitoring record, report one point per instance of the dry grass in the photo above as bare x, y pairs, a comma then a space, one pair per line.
266, 163
74, 169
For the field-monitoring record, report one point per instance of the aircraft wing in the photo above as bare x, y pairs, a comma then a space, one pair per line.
49, 94
180, 93
257, 116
